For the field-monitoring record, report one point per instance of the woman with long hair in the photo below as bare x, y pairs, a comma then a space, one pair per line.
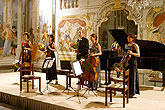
27, 48
95, 51
51, 73
133, 50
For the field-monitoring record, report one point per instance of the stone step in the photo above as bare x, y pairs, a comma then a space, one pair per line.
8, 60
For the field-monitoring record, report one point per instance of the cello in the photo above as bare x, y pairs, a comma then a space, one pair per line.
90, 73
89, 67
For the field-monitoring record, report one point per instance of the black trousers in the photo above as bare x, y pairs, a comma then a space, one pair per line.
163, 72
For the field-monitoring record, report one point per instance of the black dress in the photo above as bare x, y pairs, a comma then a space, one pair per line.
26, 56
133, 74
51, 73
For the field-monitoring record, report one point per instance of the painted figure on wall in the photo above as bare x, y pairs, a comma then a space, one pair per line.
67, 36
2, 39
44, 36
63, 42
14, 41
36, 54
37, 36
8, 37
76, 36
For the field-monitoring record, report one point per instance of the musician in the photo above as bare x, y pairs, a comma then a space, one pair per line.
82, 51
115, 48
95, 50
133, 50
26, 49
51, 72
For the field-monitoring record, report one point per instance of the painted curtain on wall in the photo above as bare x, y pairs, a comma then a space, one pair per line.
68, 32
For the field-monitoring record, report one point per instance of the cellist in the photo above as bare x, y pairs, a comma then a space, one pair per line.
95, 51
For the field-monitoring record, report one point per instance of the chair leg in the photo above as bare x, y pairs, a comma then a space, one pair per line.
115, 91
40, 84
21, 85
27, 86
105, 96
127, 96
67, 81
124, 99
110, 95
32, 83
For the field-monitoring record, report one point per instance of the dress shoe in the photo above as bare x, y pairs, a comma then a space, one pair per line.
130, 96
56, 82
162, 89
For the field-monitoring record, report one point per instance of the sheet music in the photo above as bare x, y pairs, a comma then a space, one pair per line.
49, 63
77, 68
46, 64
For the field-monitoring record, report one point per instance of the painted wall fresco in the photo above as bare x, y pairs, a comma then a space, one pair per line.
8, 37
1, 26
158, 34
68, 32
1, 11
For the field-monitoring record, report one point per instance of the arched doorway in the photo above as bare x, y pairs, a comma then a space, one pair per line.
117, 19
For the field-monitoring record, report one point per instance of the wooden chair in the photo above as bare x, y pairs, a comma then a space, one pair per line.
118, 86
28, 68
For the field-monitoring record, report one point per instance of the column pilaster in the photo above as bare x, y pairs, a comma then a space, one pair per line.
4, 12
19, 29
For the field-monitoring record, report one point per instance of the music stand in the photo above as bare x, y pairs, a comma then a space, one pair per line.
66, 66
76, 67
48, 63
77, 71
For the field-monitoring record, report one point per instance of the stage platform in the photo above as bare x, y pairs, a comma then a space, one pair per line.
150, 97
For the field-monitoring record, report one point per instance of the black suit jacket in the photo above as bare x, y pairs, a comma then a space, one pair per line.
83, 48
